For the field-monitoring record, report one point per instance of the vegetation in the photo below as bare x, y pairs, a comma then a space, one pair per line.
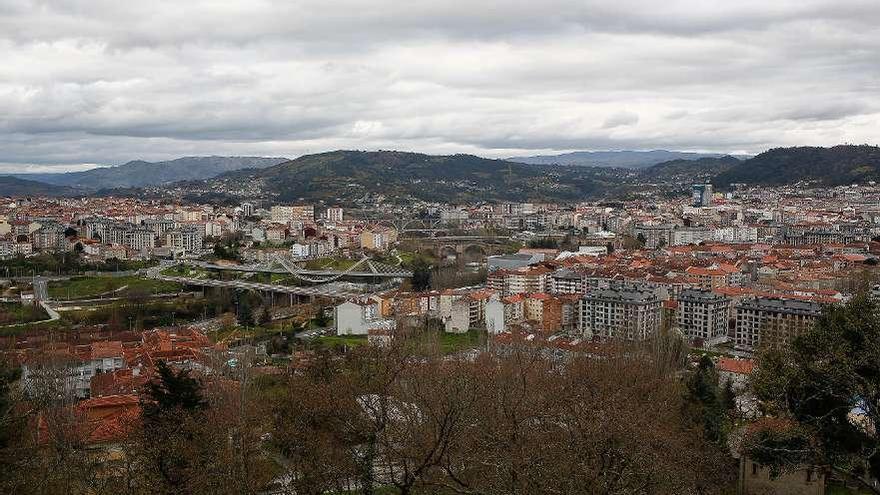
834, 166
824, 393
455, 178
64, 264
87, 287
421, 279
687, 171
15, 313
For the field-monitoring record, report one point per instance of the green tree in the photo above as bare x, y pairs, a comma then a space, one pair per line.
171, 407
827, 384
421, 279
265, 316
728, 397
245, 313
703, 396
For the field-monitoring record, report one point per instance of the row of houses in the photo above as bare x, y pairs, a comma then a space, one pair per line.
626, 311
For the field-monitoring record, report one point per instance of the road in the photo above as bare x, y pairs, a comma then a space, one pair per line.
325, 291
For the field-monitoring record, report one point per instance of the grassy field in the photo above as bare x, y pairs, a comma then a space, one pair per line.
341, 340
455, 342
86, 287
14, 313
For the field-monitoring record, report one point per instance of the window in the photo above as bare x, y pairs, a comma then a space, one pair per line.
754, 469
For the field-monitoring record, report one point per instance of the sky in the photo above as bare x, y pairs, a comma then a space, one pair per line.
101, 82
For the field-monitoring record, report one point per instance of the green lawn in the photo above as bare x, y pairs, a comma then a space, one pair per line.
339, 340
86, 287
455, 342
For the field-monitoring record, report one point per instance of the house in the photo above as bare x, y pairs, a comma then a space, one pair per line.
459, 318
358, 317
495, 321
755, 479
544, 310
737, 371
77, 365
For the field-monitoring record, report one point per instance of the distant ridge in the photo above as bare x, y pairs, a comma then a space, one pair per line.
837, 165
348, 175
14, 186
623, 159
690, 170
140, 173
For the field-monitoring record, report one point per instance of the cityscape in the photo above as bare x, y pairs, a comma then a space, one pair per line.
377, 276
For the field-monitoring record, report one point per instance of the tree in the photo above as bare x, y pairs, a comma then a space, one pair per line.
265, 316
827, 385
703, 395
421, 279
245, 314
171, 406
728, 397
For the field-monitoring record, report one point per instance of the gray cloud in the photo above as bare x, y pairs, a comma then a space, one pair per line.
103, 82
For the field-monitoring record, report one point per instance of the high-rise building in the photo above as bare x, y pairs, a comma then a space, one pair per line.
333, 214
701, 194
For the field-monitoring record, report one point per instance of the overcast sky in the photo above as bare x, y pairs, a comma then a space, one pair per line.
103, 82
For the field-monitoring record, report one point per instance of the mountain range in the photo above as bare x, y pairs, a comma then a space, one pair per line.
348, 175
622, 159
140, 173
344, 176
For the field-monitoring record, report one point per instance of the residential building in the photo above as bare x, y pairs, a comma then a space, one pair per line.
629, 313
359, 317
703, 316
773, 319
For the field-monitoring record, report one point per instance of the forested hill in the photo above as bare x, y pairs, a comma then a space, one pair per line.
395, 174
837, 165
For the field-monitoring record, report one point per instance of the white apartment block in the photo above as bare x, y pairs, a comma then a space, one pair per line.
703, 316
625, 314
333, 214
292, 213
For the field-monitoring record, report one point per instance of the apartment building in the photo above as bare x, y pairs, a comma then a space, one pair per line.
773, 320
567, 281
627, 313
703, 316
292, 213
185, 239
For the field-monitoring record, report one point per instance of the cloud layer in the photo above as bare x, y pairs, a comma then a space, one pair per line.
104, 82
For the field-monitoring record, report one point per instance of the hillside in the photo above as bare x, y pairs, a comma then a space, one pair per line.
689, 170
140, 173
13, 186
349, 175
623, 159
837, 165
